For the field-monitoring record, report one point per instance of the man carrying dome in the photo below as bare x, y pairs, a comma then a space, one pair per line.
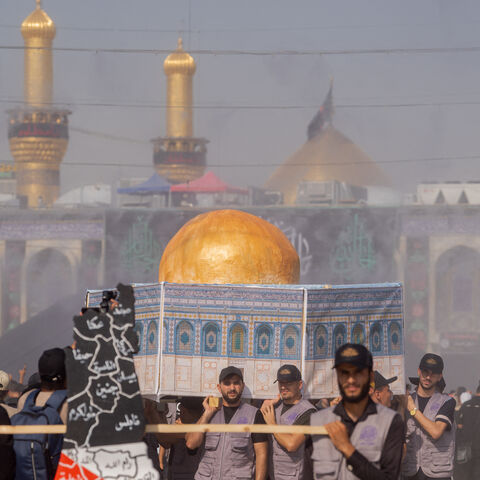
364, 439
430, 424
287, 450
230, 455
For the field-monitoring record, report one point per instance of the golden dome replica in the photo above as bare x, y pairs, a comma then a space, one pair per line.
327, 155
229, 246
38, 132
179, 157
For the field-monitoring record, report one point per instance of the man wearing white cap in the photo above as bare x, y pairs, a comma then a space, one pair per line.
4, 382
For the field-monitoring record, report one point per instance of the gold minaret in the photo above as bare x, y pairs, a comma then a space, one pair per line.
179, 157
38, 132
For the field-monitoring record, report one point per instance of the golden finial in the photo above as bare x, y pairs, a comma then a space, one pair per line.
179, 61
38, 24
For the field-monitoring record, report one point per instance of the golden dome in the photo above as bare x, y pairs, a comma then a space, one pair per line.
327, 156
229, 246
38, 25
179, 61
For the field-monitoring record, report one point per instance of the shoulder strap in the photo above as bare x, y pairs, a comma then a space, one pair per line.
56, 399
30, 401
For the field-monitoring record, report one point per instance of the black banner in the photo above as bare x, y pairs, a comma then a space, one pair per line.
335, 246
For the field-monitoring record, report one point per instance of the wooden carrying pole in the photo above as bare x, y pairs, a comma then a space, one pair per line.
177, 428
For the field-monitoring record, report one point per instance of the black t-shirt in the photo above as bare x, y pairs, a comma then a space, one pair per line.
446, 414
229, 412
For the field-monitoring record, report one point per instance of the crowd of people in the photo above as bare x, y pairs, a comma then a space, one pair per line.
370, 433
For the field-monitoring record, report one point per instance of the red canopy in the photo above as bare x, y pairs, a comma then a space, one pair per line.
209, 183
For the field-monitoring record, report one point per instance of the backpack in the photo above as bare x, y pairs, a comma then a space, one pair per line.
38, 454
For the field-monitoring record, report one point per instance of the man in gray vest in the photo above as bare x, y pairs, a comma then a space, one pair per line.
230, 455
364, 439
287, 450
430, 424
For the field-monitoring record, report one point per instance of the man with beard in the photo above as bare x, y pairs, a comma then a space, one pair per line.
230, 455
381, 392
431, 424
364, 438
287, 450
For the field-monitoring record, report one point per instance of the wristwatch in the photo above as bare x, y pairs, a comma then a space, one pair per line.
413, 411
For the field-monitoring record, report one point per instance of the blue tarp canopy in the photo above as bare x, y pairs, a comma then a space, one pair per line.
155, 184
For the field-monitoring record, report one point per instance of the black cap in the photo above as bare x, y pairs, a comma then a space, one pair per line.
432, 362
226, 372
355, 354
288, 373
380, 381
51, 365
440, 385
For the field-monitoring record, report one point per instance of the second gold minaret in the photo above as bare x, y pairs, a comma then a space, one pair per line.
179, 68
179, 156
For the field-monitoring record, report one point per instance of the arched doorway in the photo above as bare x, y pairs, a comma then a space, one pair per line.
48, 278
457, 299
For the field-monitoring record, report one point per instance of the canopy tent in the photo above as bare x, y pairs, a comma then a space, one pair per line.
209, 183
155, 184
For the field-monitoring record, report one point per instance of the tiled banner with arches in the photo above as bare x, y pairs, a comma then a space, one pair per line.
188, 333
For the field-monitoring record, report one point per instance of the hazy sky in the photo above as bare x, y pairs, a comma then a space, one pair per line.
377, 95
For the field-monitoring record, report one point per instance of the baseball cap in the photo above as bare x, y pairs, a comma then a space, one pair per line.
432, 362
354, 354
4, 380
227, 371
288, 373
51, 365
380, 381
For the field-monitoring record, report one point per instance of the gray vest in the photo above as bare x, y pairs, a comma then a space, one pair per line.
368, 438
183, 465
229, 456
434, 457
287, 465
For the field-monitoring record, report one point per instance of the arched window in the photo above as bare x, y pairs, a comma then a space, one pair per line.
237, 339
339, 336
290, 342
152, 337
139, 331
264, 341
210, 344
184, 338
358, 334
395, 338
376, 338
320, 342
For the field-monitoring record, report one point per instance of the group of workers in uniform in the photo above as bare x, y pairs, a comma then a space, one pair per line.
365, 438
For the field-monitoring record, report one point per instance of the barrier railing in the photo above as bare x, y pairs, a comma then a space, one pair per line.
178, 428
